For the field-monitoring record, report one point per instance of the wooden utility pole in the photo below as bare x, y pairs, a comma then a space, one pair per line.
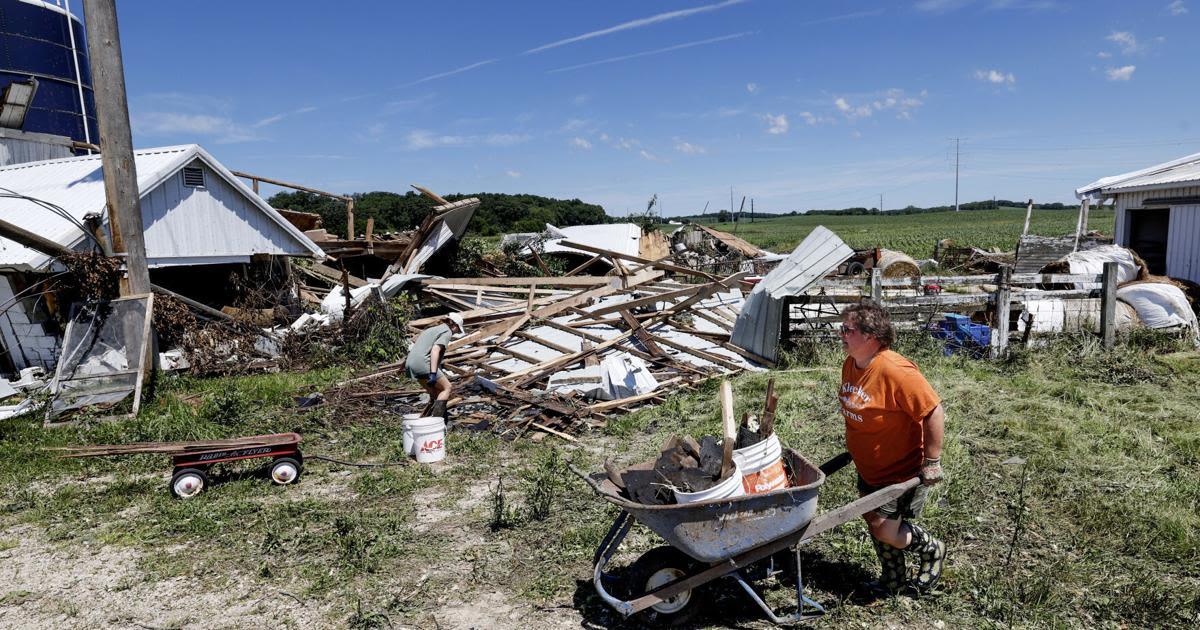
1028, 215
1003, 311
1108, 306
116, 144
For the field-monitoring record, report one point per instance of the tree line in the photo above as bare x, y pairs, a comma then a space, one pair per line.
497, 213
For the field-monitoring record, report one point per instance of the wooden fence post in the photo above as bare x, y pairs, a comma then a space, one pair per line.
1003, 307
877, 285
1108, 305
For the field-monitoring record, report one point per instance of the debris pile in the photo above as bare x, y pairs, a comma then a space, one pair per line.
701, 247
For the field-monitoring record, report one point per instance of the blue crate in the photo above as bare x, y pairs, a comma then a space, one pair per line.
964, 336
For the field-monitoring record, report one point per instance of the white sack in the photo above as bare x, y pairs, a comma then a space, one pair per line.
1092, 262
1159, 305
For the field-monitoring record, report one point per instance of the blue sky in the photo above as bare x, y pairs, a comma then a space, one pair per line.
796, 104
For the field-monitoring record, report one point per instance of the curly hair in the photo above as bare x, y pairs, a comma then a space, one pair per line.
872, 320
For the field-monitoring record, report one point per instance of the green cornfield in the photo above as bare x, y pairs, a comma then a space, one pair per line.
916, 234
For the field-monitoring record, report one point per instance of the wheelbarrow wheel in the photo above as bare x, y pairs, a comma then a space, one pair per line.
656, 568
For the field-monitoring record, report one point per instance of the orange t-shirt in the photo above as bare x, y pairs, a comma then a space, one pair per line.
885, 405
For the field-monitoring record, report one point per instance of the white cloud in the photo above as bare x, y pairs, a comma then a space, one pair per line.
270, 120
944, 6
1104, 55
580, 143
688, 148
856, 134
996, 76
1177, 8
513, 174
627, 143
647, 155
894, 99
1124, 73
638, 23
221, 129
574, 124
582, 99
814, 120
776, 125
752, 88
419, 139
657, 51
372, 133
1126, 40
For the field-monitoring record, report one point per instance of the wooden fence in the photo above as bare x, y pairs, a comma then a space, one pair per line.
915, 300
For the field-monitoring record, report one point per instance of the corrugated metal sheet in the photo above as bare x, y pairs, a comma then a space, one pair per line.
225, 218
1183, 243
757, 326
18, 151
623, 238
1183, 170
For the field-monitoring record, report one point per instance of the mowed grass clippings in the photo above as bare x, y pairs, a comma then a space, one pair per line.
1072, 499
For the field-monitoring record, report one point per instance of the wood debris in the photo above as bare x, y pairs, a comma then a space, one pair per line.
554, 356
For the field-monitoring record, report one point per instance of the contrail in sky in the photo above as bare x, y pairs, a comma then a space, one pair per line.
446, 74
647, 21
654, 52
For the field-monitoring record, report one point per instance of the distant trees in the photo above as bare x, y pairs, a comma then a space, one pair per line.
497, 213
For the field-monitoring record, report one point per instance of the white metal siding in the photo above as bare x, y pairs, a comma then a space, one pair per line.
1136, 199
15, 151
216, 221
1183, 243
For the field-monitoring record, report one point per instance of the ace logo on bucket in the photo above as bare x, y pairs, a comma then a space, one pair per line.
431, 446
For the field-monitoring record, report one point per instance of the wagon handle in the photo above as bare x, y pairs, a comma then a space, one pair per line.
586, 477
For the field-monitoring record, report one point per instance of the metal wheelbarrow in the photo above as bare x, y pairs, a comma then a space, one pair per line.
737, 537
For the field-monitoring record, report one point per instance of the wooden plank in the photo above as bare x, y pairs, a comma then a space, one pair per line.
729, 426
524, 377
700, 354
585, 265
335, 275
642, 335
1108, 306
522, 281
542, 427
613, 404
1003, 306
646, 301
638, 259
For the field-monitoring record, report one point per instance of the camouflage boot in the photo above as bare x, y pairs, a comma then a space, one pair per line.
932, 552
894, 571
438, 410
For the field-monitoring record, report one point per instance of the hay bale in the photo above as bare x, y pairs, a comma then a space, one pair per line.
894, 264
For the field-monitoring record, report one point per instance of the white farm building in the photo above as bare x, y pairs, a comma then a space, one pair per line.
201, 223
1158, 214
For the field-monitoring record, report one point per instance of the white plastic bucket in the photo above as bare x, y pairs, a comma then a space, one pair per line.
429, 439
730, 488
407, 433
762, 466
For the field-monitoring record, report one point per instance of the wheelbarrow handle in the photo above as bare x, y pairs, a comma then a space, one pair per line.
836, 463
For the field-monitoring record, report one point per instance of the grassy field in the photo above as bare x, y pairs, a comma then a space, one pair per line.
1097, 528
916, 234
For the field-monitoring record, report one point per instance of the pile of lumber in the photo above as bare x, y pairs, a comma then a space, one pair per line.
557, 355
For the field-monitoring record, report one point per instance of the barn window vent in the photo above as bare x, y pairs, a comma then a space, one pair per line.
193, 177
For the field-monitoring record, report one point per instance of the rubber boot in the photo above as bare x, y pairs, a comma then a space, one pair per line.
438, 410
894, 570
931, 552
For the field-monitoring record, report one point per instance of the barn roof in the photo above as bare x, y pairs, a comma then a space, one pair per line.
76, 185
1183, 171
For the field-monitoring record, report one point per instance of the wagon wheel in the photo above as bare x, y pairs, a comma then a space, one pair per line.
285, 470
658, 567
188, 482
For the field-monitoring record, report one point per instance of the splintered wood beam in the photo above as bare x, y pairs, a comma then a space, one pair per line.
642, 335
512, 328
432, 195
543, 342
523, 281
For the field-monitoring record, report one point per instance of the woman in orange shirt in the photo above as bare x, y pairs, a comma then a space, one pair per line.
894, 428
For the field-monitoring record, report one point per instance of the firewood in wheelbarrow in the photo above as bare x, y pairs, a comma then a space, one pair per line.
710, 456
614, 475
690, 446
689, 479
767, 426
647, 487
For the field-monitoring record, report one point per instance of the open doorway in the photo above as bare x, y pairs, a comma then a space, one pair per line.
1148, 236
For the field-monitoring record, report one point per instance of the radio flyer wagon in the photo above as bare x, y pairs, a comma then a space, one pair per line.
723, 537
192, 460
